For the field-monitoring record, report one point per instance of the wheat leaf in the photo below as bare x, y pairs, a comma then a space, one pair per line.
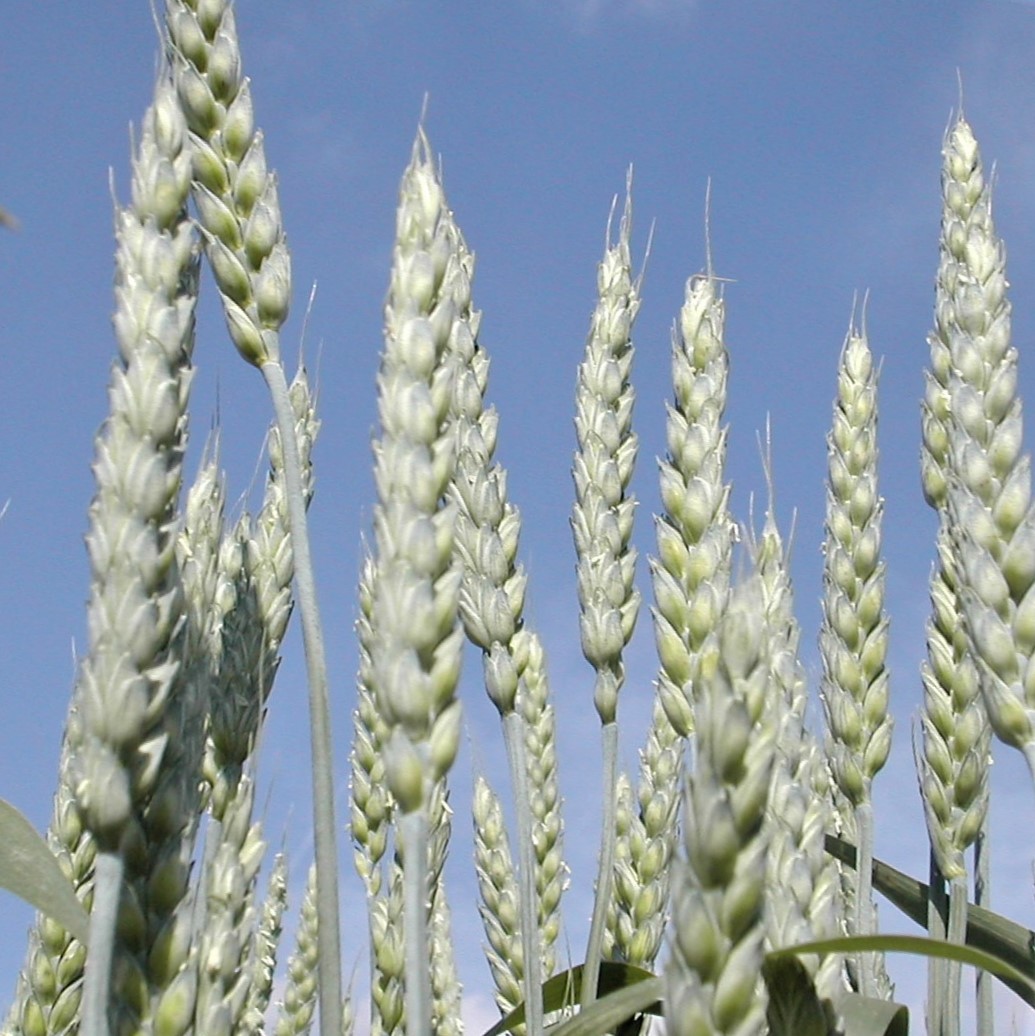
30, 870
1021, 983
986, 930
565, 989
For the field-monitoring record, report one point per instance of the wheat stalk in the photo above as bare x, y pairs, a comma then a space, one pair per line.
239, 210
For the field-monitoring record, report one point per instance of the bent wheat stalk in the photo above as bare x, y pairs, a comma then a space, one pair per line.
236, 199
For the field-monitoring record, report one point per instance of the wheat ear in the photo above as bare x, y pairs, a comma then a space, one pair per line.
853, 635
543, 796
417, 639
602, 523
124, 696
264, 947
804, 882
295, 1017
719, 891
50, 986
695, 533
499, 904
492, 594
989, 521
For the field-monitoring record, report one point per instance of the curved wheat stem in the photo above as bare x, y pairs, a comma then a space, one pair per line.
237, 203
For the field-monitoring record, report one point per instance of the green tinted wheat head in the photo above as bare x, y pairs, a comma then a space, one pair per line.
197, 550
263, 952
371, 801
803, 901
975, 476
295, 1017
953, 767
50, 986
416, 648
990, 507
695, 533
500, 901
602, 523
551, 872
647, 833
134, 783
718, 900
225, 942
388, 949
235, 195
602, 519
492, 594
500, 895
854, 632
256, 566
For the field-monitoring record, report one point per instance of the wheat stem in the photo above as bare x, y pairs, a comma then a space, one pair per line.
413, 832
107, 887
324, 822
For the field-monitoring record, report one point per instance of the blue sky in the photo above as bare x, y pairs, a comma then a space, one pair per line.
820, 126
